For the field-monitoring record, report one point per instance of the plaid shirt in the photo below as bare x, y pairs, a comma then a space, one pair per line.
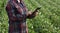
17, 17
17, 21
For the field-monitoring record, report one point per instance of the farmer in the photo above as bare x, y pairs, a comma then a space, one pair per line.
17, 14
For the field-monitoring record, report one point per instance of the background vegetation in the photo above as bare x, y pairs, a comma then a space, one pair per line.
47, 21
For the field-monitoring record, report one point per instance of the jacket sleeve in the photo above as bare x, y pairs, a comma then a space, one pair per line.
30, 15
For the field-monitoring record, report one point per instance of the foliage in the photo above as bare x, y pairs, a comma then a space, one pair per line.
47, 21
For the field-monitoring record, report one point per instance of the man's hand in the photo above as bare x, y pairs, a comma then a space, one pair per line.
32, 14
36, 11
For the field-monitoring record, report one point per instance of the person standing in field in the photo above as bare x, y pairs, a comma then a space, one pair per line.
17, 14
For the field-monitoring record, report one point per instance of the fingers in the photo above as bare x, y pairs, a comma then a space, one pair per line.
29, 13
36, 13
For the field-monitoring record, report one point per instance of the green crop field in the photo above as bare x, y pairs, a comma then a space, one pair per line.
47, 21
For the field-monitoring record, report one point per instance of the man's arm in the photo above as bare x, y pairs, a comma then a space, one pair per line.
32, 14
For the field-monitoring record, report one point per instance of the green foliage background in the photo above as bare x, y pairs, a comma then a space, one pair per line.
47, 21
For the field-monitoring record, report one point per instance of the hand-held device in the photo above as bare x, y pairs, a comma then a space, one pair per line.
36, 10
